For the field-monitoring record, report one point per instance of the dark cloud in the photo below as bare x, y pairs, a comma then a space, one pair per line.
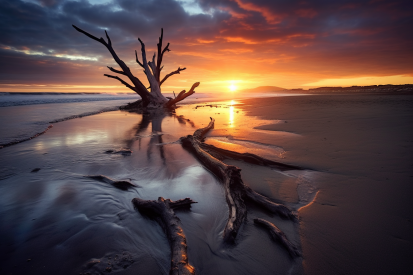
336, 38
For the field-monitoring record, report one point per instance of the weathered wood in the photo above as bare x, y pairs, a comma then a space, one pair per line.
181, 96
182, 203
236, 192
178, 71
152, 70
162, 211
124, 152
264, 202
231, 178
121, 184
200, 133
160, 56
278, 235
139, 87
247, 157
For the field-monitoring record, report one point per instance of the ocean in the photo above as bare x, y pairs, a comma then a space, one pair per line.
26, 115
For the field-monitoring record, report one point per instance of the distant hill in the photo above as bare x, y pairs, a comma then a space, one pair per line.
264, 89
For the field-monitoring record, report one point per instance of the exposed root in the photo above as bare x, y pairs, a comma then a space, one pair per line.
246, 157
163, 212
121, 184
271, 206
231, 178
200, 133
235, 190
278, 235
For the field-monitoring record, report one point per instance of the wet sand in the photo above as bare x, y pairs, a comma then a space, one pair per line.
54, 220
353, 199
361, 221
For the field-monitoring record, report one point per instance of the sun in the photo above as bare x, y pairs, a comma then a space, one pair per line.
232, 87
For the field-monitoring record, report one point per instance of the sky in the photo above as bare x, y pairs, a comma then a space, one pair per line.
223, 44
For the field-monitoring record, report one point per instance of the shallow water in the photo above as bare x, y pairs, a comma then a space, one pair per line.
56, 221
24, 115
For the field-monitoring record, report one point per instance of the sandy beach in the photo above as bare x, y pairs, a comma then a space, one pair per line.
353, 198
361, 219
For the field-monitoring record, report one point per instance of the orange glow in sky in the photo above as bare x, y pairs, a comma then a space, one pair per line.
228, 46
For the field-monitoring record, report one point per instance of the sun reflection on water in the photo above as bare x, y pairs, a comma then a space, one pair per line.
231, 114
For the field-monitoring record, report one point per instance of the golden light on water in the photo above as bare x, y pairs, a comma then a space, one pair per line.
231, 114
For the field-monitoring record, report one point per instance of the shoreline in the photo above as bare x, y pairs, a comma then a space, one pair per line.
52, 170
346, 202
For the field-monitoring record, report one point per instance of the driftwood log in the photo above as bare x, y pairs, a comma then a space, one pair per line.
278, 235
236, 192
222, 154
162, 210
120, 184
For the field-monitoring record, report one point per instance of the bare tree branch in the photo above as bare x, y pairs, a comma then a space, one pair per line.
101, 40
170, 74
122, 81
160, 56
107, 36
145, 62
137, 60
116, 71
139, 87
181, 96
159, 61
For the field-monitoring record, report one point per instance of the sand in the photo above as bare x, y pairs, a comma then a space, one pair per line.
54, 220
361, 221
353, 200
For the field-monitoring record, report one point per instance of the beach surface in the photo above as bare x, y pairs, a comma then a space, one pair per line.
361, 221
353, 198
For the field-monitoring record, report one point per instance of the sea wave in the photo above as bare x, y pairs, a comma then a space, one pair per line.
20, 99
26, 116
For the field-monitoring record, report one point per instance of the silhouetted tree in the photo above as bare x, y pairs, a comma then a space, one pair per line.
152, 69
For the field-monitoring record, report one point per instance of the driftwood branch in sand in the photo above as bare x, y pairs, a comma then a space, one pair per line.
121, 184
222, 154
200, 133
181, 96
163, 212
230, 176
236, 192
278, 235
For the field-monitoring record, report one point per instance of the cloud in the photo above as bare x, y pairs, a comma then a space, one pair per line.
317, 40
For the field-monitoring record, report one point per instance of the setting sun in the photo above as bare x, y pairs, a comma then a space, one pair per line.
232, 87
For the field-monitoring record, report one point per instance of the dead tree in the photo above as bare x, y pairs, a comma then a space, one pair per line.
152, 69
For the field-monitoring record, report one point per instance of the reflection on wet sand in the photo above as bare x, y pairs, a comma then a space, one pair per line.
67, 216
